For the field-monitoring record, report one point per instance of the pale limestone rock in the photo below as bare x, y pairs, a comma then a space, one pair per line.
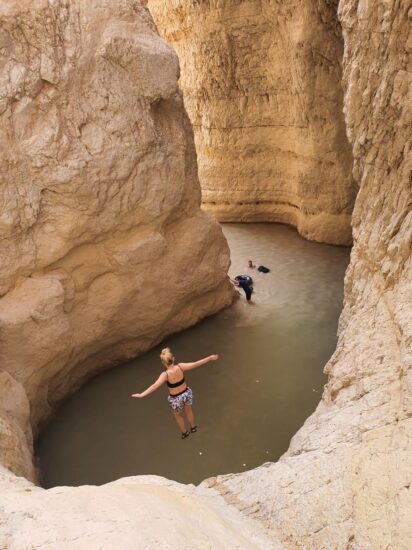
16, 445
261, 83
104, 248
138, 512
345, 482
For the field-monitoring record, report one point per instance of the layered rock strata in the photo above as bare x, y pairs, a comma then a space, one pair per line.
346, 479
262, 86
100, 217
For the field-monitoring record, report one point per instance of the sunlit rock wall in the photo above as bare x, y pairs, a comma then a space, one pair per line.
346, 481
262, 86
104, 248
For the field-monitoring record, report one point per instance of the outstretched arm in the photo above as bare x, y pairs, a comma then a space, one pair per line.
189, 366
161, 380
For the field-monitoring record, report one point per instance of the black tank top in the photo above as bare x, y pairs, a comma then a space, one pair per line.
176, 384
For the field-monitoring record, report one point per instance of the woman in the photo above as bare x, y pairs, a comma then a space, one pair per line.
180, 395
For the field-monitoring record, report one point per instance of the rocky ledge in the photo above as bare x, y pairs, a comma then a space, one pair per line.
346, 479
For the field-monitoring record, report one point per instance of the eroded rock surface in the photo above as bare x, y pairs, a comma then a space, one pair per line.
104, 249
262, 86
16, 440
346, 479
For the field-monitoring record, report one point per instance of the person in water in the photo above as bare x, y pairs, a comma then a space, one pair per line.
247, 288
250, 264
180, 395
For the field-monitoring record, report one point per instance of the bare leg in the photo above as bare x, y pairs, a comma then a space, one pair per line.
189, 415
180, 421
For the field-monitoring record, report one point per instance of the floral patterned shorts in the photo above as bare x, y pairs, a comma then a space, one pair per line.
177, 402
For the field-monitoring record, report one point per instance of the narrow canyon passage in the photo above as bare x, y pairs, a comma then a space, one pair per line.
248, 405
111, 138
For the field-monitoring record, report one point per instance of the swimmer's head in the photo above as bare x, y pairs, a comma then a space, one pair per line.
250, 263
167, 357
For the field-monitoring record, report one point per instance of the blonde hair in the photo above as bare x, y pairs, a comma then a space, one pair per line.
166, 356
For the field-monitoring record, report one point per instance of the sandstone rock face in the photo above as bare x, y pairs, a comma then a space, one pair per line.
16, 442
346, 480
100, 221
262, 86
139, 512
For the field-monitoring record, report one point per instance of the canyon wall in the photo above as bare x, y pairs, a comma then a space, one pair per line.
262, 86
104, 248
346, 481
